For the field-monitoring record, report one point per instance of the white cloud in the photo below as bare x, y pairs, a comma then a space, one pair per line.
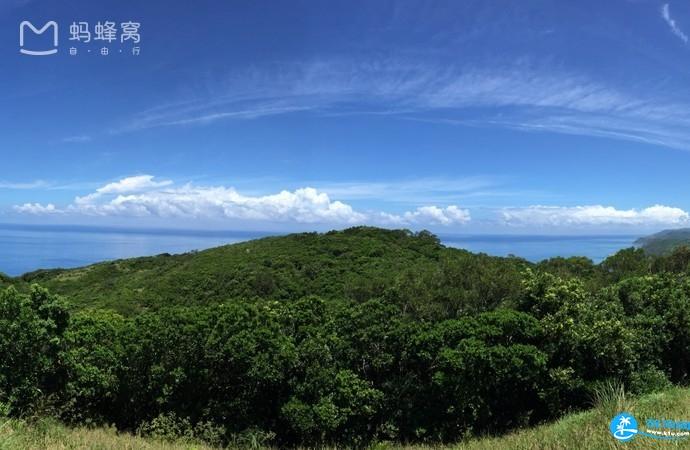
126, 185
438, 216
304, 205
426, 215
675, 29
144, 196
36, 209
593, 215
133, 184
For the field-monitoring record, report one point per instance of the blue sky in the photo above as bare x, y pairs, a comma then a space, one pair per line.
458, 116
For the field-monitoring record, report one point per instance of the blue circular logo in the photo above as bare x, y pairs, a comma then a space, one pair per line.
623, 427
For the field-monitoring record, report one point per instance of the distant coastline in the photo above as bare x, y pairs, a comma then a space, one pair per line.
25, 248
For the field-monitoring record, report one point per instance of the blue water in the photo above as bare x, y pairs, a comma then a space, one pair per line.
27, 248
536, 248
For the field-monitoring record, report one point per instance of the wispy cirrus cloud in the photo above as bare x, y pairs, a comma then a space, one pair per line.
31, 185
416, 190
675, 29
201, 113
518, 96
78, 139
44, 185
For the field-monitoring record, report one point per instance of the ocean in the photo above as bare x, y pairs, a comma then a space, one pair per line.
538, 247
27, 248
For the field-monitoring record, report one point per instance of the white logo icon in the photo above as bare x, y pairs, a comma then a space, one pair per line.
27, 24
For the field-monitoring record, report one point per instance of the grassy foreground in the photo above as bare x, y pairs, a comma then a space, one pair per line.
590, 429
50, 435
584, 430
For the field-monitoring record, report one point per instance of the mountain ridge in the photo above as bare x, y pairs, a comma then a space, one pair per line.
664, 241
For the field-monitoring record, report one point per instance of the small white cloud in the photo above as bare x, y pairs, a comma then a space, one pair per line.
133, 184
593, 215
36, 209
431, 215
675, 29
127, 185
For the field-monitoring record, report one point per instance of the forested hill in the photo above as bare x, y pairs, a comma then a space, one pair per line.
413, 270
345, 338
665, 241
357, 263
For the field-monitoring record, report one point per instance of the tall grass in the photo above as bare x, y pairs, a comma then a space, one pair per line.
47, 434
610, 398
590, 429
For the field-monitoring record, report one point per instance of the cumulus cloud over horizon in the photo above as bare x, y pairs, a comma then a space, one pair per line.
145, 196
593, 215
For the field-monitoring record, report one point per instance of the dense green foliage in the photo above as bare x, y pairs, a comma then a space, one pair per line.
358, 264
339, 338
